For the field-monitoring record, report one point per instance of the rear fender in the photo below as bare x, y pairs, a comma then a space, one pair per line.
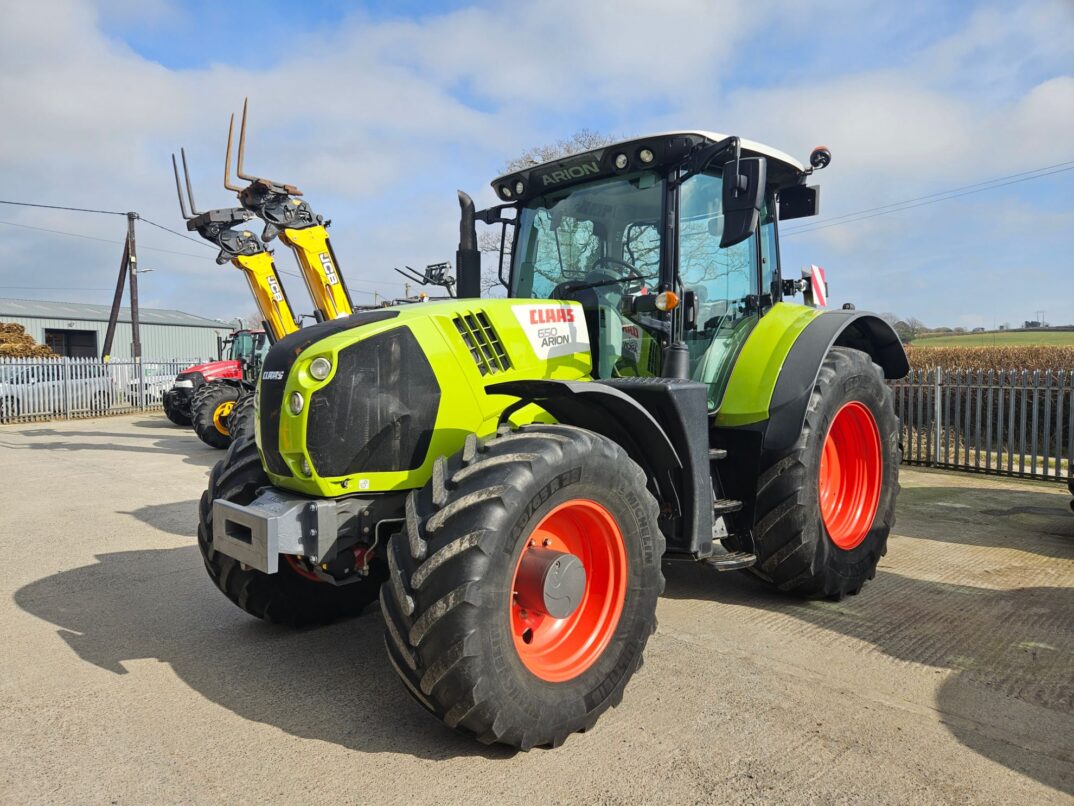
798, 376
767, 419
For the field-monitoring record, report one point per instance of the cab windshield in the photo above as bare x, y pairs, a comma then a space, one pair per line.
602, 231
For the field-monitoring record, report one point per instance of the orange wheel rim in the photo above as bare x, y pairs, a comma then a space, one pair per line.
560, 649
851, 471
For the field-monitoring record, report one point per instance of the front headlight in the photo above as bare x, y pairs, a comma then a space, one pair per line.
296, 403
183, 384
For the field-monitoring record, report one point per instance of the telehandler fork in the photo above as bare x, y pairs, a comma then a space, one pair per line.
294, 222
215, 407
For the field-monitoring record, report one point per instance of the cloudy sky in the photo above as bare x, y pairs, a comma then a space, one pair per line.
379, 114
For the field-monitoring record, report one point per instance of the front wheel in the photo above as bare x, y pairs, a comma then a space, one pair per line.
825, 509
523, 588
173, 408
290, 596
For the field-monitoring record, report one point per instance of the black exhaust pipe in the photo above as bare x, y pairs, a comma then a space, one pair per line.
467, 258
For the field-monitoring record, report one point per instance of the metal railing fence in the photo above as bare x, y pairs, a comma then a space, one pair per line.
34, 389
1010, 423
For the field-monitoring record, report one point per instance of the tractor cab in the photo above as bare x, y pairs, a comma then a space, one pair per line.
248, 347
672, 262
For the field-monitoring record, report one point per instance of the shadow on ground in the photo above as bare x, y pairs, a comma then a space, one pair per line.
1010, 648
334, 684
1030, 520
170, 440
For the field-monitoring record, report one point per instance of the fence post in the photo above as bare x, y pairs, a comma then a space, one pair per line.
66, 364
937, 415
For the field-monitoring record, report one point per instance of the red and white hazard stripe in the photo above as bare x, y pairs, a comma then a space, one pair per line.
818, 284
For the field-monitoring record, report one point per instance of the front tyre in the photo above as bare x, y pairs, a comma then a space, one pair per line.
523, 588
288, 596
825, 509
173, 409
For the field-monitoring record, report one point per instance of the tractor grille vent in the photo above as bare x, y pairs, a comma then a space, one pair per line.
483, 342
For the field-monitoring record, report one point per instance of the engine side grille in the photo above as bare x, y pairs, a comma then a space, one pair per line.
483, 342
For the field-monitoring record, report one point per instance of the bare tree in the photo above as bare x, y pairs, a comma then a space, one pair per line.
489, 240
581, 140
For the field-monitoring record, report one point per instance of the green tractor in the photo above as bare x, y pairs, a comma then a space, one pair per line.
508, 475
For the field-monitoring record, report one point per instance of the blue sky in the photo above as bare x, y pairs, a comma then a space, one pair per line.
379, 111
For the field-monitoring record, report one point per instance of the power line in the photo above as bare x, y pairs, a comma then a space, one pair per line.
60, 207
932, 198
51, 288
952, 190
174, 232
102, 240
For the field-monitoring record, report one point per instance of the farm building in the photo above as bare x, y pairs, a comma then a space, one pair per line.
78, 329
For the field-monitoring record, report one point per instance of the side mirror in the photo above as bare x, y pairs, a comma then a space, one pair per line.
743, 196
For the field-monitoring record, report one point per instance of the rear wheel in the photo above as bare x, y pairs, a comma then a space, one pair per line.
173, 410
210, 410
293, 595
523, 589
825, 509
241, 420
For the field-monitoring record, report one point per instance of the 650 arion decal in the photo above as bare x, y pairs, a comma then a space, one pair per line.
553, 330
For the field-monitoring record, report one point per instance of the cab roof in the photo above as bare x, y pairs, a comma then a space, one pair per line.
667, 149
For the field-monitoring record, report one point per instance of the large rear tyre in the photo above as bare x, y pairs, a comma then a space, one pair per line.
825, 509
241, 420
523, 589
210, 410
173, 410
286, 597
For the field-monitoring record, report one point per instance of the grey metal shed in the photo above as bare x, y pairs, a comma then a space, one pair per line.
78, 329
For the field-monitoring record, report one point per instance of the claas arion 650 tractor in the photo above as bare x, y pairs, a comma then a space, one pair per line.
508, 475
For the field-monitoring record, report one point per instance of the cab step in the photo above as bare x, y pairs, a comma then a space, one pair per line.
724, 560
725, 506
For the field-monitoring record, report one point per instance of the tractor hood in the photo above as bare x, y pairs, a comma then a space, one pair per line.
367, 403
214, 370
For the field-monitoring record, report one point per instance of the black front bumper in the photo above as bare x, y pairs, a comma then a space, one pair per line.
179, 400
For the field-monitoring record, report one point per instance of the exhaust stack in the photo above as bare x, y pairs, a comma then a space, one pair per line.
467, 258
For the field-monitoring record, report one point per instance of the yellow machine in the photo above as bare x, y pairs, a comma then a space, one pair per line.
292, 219
223, 407
244, 250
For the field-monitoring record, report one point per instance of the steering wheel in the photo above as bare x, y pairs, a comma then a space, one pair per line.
612, 261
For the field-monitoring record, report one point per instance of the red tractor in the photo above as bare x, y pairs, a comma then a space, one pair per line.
205, 394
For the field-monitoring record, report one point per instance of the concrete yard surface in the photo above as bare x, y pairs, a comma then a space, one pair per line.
126, 677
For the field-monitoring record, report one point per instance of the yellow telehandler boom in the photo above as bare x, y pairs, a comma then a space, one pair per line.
293, 220
243, 249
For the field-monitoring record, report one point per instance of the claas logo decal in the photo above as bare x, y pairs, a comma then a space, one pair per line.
553, 330
541, 316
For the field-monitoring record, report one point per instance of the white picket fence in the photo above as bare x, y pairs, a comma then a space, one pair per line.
33, 389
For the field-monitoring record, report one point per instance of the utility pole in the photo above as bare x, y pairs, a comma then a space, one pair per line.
128, 264
132, 262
